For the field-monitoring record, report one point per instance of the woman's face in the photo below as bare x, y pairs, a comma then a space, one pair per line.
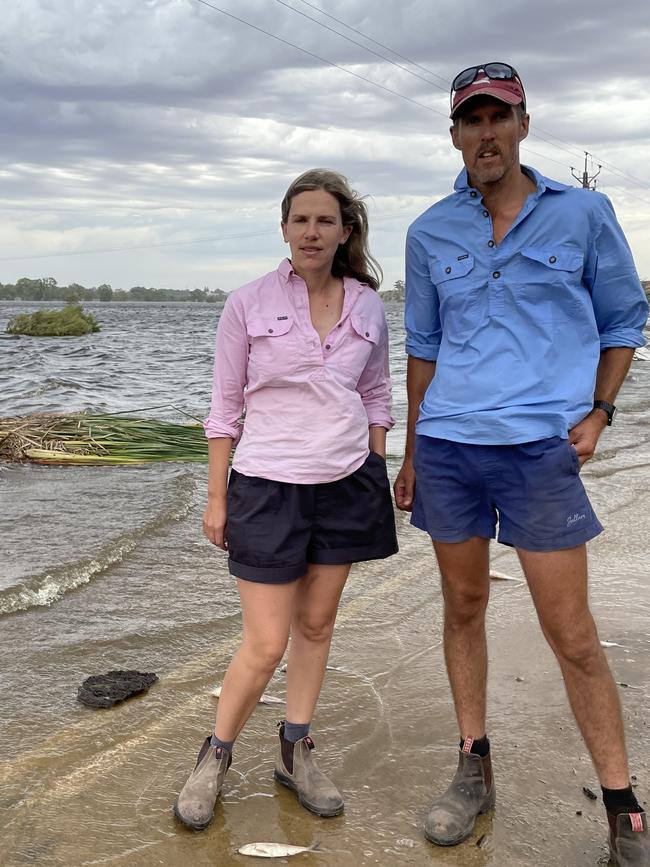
314, 230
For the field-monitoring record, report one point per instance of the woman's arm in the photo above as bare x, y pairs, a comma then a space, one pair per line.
216, 513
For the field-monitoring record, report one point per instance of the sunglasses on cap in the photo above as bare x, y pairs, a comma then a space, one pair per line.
495, 71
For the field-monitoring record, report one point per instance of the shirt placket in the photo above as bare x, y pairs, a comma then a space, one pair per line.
493, 258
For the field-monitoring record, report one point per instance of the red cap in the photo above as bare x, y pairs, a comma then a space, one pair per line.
508, 90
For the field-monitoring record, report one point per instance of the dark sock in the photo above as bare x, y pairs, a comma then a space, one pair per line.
225, 745
620, 801
479, 747
294, 732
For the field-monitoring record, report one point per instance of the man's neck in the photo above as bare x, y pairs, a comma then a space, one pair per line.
507, 194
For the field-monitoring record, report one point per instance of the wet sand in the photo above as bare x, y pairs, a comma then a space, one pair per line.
99, 790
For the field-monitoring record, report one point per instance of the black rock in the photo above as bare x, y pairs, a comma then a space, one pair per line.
105, 690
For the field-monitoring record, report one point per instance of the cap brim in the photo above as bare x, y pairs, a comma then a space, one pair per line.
489, 89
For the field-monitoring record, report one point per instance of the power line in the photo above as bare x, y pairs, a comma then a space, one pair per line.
139, 247
319, 58
359, 44
570, 148
381, 45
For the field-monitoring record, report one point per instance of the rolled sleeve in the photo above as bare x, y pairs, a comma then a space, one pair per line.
421, 312
374, 384
230, 374
619, 302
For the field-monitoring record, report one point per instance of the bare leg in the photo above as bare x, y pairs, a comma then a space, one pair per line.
315, 608
464, 567
266, 617
558, 585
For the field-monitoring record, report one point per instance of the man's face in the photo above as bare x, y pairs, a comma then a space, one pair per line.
488, 136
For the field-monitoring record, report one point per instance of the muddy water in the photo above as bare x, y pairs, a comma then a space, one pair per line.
106, 568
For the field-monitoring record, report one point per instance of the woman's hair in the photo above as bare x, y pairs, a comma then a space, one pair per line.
353, 258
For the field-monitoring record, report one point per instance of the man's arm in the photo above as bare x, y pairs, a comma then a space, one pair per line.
419, 374
612, 369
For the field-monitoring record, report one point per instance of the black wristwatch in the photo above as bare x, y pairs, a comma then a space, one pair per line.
609, 408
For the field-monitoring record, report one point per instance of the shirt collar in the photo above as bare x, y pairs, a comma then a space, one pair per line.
286, 272
542, 183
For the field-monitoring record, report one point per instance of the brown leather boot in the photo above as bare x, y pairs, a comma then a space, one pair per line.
452, 815
195, 804
296, 768
629, 840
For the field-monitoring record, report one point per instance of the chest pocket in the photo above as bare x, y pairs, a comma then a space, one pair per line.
550, 283
355, 348
459, 293
273, 345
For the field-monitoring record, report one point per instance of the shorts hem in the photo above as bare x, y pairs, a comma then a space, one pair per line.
455, 536
267, 574
586, 534
341, 556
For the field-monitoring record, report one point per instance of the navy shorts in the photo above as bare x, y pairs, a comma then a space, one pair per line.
275, 529
532, 489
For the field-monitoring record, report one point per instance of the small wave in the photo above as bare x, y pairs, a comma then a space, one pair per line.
44, 589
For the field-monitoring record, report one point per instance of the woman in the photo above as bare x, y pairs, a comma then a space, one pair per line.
305, 350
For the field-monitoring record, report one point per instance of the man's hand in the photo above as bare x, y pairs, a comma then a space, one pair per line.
214, 522
584, 436
404, 486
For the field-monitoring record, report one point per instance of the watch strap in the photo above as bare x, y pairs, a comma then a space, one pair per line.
609, 408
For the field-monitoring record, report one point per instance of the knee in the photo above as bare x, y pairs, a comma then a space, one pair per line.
464, 609
316, 630
577, 646
264, 656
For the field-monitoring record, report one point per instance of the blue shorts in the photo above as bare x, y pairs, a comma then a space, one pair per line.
532, 489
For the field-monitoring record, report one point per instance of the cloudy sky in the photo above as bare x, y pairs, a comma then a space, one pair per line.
149, 142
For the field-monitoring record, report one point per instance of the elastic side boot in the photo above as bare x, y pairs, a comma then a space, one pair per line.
296, 768
452, 816
194, 806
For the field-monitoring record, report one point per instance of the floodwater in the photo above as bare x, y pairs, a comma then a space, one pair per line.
105, 568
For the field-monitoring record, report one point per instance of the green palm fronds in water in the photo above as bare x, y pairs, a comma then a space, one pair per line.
85, 439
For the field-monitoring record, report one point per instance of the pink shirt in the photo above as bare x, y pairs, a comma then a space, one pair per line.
308, 405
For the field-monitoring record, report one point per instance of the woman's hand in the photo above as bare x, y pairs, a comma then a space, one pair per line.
214, 521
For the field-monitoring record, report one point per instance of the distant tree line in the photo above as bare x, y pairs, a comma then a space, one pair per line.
47, 289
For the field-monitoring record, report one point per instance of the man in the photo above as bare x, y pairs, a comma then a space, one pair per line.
523, 300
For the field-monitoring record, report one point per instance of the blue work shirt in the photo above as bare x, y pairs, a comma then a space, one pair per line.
517, 328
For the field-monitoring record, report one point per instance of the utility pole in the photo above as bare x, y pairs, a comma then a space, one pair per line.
585, 180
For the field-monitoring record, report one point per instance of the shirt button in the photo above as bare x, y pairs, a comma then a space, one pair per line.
490, 243
486, 213
339, 325
447, 270
327, 346
552, 259
473, 194
496, 274
270, 331
367, 334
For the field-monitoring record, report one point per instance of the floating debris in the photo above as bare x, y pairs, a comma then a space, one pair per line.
91, 440
591, 795
263, 699
501, 576
274, 850
105, 690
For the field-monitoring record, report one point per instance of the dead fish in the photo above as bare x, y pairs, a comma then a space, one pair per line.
264, 698
274, 850
501, 576
610, 644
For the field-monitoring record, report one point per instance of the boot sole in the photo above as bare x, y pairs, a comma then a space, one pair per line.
195, 826
325, 814
456, 840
